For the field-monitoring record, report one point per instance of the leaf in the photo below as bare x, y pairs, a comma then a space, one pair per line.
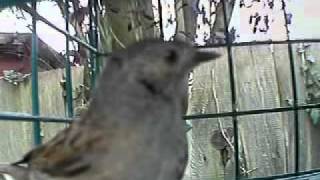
315, 116
187, 127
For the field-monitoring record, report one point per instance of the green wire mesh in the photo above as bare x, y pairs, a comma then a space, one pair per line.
6, 3
310, 175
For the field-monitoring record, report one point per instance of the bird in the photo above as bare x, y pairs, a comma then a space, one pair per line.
133, 127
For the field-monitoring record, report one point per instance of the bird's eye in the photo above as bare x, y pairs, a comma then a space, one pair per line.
171, 57
116, 60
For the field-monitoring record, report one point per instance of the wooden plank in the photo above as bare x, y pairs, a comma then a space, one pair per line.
262, 135
262, 138
17, 137
51, 98
210, 93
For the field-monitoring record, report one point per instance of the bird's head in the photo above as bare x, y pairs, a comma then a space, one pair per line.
156, 64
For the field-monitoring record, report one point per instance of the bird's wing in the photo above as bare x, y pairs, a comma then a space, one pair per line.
18, 173
64, 155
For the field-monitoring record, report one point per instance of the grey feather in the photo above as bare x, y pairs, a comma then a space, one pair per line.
133, 128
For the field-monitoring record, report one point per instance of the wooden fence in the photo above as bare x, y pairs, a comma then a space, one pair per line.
17, 137
262, 80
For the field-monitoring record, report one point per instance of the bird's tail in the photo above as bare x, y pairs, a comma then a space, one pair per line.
16, 172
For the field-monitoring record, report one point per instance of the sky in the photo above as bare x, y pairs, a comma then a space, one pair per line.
305, 21
10, 23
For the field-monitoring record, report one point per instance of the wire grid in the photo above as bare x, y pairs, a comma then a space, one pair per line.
93, 46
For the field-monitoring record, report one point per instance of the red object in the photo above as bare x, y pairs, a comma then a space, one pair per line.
18, 61
15, 54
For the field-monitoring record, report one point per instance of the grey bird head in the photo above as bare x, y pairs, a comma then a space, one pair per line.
157, 64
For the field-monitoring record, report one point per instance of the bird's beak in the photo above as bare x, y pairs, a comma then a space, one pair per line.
203, 56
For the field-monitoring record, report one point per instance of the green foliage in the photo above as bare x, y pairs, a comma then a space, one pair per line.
315, 116
312, 80
187, 127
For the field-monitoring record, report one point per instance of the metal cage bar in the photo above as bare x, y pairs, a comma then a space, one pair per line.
92, 41
233, 92
92, 46
160, 19
68, 83
13, 116
295, 96
253, 112
30, 118
267, 42
34, 77
74, 38
288, 175
96, 36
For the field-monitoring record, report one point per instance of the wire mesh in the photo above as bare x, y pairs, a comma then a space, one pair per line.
92, 46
